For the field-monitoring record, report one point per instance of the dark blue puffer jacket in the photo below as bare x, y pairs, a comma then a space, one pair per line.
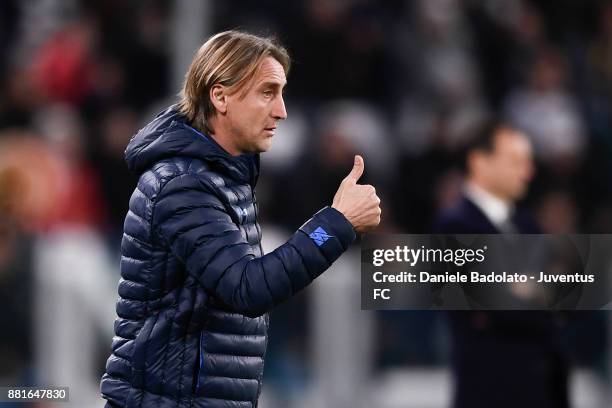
195, 287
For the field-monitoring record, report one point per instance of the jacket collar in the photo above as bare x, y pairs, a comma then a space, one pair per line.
171, 135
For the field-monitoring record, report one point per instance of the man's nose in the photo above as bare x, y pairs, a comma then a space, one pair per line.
279, 112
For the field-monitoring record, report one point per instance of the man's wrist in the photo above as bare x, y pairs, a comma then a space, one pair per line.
338, 224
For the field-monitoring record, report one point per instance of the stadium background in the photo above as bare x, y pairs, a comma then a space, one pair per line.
400, 82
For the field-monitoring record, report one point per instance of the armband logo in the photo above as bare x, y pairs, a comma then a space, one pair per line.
319, 236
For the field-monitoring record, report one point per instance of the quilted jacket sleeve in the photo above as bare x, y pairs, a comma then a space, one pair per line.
201, 234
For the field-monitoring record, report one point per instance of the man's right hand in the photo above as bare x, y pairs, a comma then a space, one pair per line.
358, 203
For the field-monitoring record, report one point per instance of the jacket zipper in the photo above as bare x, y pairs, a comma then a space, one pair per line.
254, 202
201, 361
260, 379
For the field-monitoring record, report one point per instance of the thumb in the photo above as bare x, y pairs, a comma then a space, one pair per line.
357, 170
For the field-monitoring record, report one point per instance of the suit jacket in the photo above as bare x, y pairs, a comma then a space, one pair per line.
503, 358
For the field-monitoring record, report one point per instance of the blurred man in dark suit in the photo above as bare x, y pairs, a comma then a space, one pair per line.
502, 358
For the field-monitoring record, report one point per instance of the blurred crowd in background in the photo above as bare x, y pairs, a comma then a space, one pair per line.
401, 82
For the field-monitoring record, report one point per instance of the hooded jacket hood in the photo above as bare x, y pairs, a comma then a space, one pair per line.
171, 135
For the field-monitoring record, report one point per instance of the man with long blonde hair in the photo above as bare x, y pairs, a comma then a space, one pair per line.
196, 288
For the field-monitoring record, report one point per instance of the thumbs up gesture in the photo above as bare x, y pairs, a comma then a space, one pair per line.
358, 203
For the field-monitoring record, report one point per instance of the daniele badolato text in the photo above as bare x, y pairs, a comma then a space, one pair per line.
459, 257
477, 277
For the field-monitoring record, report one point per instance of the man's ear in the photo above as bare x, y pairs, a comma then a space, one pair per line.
218, 97
476, 161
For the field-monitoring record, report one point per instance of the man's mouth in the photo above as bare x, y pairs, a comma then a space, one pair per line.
271, 129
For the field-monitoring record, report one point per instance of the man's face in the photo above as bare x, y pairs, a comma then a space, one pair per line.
509, 168
254, 115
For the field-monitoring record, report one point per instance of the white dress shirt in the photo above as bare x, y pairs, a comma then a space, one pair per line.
497, 211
